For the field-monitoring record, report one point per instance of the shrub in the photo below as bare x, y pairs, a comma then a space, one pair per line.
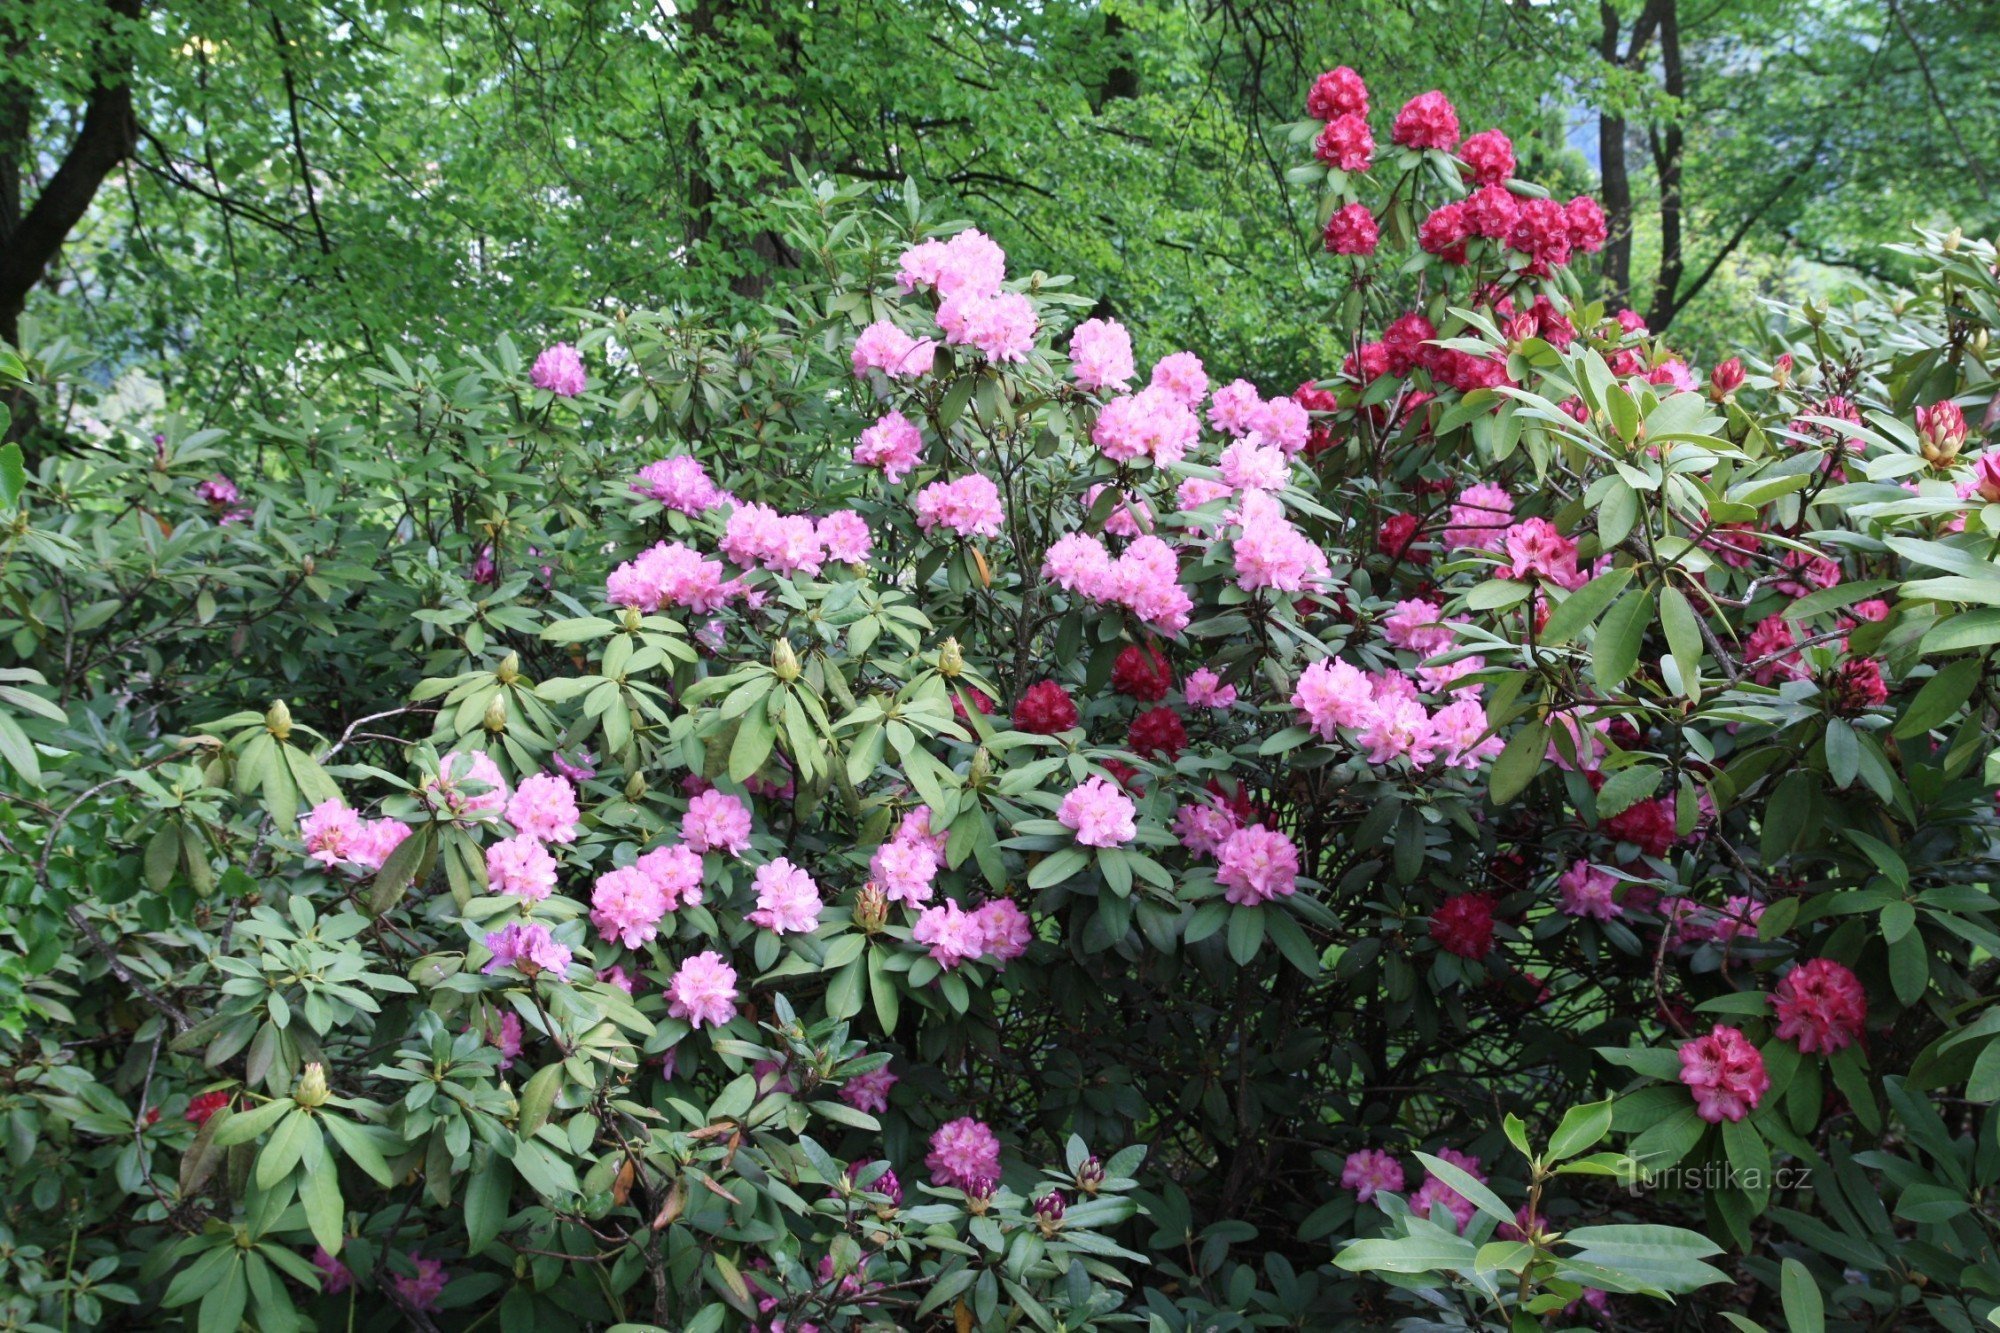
899, 817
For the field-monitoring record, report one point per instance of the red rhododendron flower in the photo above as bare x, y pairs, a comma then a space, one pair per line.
1142, 673
1157, 733
1858, 686
1463, 925
1352, 231
1427, 121
1395, 537
1725, 1073
1338, 92
1045, 708
1649, 825
206, 1105
1821, 1006
1346, 144
1490, 154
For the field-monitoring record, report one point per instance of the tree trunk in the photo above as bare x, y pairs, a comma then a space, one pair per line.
30, 241
1617, 180
1668, 154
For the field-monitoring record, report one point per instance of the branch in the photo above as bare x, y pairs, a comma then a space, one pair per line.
106, 138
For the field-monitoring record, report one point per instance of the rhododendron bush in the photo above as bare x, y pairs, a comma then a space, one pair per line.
937, 813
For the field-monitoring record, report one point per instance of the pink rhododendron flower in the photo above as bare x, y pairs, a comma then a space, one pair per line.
1480, 517
680, 483
527, 947
1100, 353
521, 866
1398, 728
559, 370
334, 1276
703, 991
968, 262
844, 536
1588, 891
1257, 864
1002, 327
954, 935
335, 835
1370, 1172
1332, 694
716, 822
1234, 408
1249, 464
1459, 732
963, 1151
969, 506
668, 574
505, 1038
893, 444
1152, 423
457, 772
1417, 625
676, 872
1099, 814
1203, 826
1004, 928
1535, 549
884, 347
1434, 1193
788, 901
1182, 375
1204, 689
626, 906
1588, 230
1270, 551
870, 1091
1821, 1006
1129, 517
1725, 1073
544, 807
783, 543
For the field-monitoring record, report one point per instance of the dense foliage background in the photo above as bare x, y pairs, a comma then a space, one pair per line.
819, 667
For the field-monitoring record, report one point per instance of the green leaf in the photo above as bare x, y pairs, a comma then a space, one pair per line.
538, 1098
1626, 788
319, 1192
399, 871
1666, 1258
1683, 629
1614, 652
1805, 1312
1942, 695
13, 474
288, 1143
1481, 1197
1408, 1254
1246, 934
1583, 606
243, 1126
486, 1202
1581, 1129
360, 1149
1519, 762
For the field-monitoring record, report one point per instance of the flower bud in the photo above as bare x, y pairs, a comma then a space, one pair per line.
979, 1194
635, 788
278, 719
496, 713
1049, 1210
1781, 371
871, 908
1090, 1176
1940, 432
1952, 240
981, 771
510, 669
630, 619
784, 661
312, 1090
1725, 379
951, 658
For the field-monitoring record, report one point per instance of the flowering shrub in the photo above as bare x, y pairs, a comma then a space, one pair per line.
922, 816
